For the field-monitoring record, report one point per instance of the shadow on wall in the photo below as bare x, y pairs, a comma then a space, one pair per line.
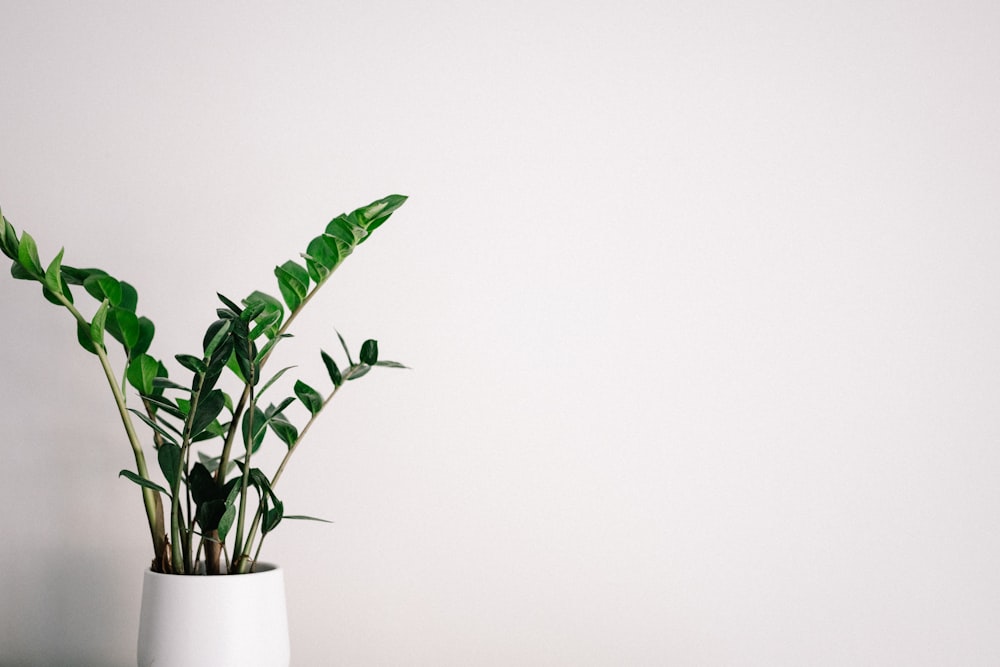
67, 608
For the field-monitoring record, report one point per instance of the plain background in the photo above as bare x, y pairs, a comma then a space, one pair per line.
701, 301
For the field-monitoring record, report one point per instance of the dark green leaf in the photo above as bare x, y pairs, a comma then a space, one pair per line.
162, 403
155, 425
273, 516
273, 312
9, 239
279, 408
369, 352
209, 407
259, 428
284, 429
215, 335
343, 344
191, 362
202, 484
309, 397
142, 481
230, 304
76, 276
209, 514
169, 457
19, 272
141, 372
331, 368
165, 383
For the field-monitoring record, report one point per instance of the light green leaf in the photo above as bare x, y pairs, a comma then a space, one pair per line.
97, 324
141, 372
53, 275
391, 364
303, 517
27, 255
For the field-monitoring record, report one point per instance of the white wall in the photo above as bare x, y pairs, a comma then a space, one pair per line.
701, 300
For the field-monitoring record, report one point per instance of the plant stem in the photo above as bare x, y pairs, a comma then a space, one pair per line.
150, 498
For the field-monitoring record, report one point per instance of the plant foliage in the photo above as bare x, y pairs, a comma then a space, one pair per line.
212, 509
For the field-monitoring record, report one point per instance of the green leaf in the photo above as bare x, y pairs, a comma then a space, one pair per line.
303, 517
191, 362
230, 304
146, 331
343, 344
264, 351
124, 326
309, 397
155, 425
273, 410
342, 229
130, 298
167, 406
165, 383
141, 372
18, 272
226, 522
331, 368
284, 429
83, 336
103, 286
356, 371
8, 239
293, 281
259, 428
323, 257
169, 458
142, 481
27, 255
273, 312
216, 334
273, 517
391, 364
209, 407
369, 352
273, 379
97, 324
53, 275
202, 484
378, 212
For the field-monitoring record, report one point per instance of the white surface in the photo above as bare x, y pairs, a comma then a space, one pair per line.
701, 300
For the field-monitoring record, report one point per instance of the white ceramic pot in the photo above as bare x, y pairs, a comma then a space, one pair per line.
190, 621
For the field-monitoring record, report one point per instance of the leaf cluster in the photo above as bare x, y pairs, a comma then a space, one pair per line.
220, 505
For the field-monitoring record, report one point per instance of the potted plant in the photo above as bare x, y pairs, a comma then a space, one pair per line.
210, 508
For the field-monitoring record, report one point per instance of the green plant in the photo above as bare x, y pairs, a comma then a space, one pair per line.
221, 507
